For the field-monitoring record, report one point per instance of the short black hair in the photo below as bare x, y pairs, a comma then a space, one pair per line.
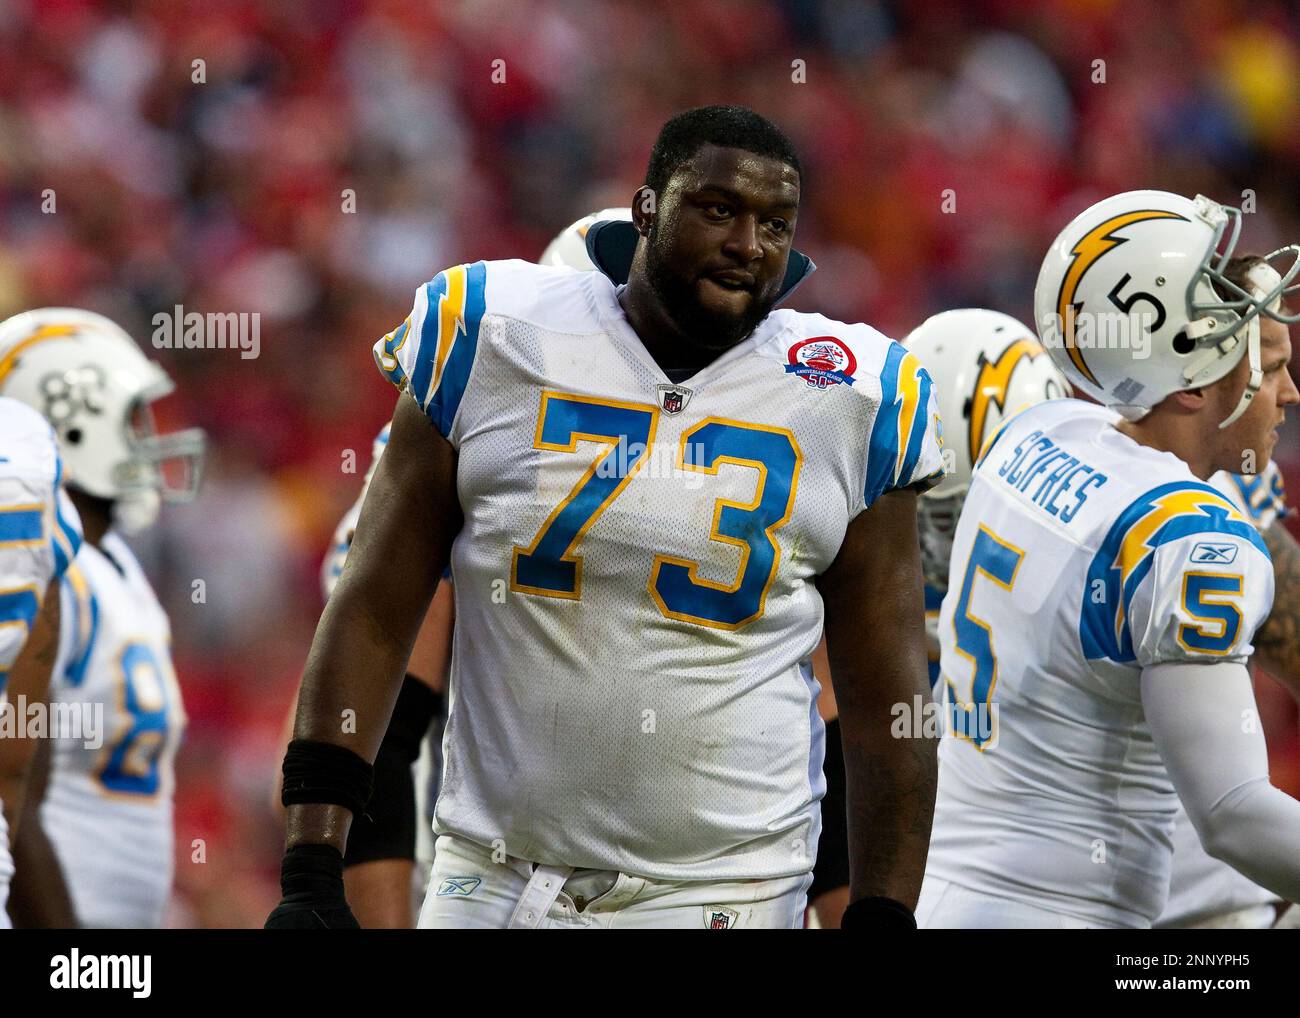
726, 126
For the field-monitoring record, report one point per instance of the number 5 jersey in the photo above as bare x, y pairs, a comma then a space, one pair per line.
1081, 558
635, 580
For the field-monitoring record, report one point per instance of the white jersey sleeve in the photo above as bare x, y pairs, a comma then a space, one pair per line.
907, 437
431, 354
40, 532
1209, 584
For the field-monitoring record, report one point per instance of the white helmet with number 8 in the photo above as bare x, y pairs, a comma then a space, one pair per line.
1132, 301
985, 366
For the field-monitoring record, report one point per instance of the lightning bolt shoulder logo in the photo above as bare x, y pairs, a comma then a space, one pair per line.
1170, 512
991, 386
1089, 248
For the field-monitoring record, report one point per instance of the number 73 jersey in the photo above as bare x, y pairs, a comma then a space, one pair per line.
635, 597
1081, 557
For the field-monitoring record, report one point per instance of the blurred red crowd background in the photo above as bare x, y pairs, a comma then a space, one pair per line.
207, 155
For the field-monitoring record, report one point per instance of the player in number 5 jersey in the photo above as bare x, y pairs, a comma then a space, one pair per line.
1103, 597
666, 489
107, 808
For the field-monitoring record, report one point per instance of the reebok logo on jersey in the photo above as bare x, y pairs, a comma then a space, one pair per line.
1212, 551
464, 886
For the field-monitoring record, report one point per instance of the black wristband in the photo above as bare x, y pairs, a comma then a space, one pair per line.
386, 829
416, 707
877, 914
321, 772
315, 870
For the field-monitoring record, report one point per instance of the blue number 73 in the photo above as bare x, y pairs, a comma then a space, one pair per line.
550, 566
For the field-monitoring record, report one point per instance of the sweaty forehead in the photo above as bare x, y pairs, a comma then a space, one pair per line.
761, 179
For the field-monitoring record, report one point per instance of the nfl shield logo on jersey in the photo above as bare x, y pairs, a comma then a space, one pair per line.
718, 918
673, 398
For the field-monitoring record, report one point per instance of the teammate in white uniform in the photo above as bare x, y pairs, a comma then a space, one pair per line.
40, 534
1203, 891
638, 572
1102, 596
985, 365
107, 809
378, 865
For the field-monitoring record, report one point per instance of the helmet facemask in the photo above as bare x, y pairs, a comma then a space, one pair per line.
1224, 315
171, 463
936, 526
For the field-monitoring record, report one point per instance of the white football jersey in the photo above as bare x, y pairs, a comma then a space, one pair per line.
40, 533
1203, 887
1080, 558
636, 608
108, 807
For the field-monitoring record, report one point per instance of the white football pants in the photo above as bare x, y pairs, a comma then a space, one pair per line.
468, 890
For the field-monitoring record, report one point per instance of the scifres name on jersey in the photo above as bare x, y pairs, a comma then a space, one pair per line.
1070, 477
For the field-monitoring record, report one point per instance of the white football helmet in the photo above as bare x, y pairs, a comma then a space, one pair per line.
1129, 304
985, 366
91, 381
570, 245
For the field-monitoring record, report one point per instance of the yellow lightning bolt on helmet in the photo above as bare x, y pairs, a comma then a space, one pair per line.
1132, 302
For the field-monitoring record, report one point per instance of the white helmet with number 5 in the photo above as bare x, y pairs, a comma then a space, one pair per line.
1133, 305
985, 366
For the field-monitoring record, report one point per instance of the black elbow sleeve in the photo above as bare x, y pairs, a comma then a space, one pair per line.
386, 828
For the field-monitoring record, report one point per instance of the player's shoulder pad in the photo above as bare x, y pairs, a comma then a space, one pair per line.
850, 350
1039, 417
897, 393
431, 353
906, 435
1146, 584
28, 447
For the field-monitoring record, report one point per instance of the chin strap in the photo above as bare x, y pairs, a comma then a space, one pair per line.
1263, 279
1256, 373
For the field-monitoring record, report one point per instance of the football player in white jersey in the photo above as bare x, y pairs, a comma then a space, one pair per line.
390, 848
1103, 597
107, 808
1203, 891
665, 487
985, 365
40, 534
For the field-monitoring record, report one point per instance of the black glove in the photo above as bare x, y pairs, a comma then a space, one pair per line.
311, 879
